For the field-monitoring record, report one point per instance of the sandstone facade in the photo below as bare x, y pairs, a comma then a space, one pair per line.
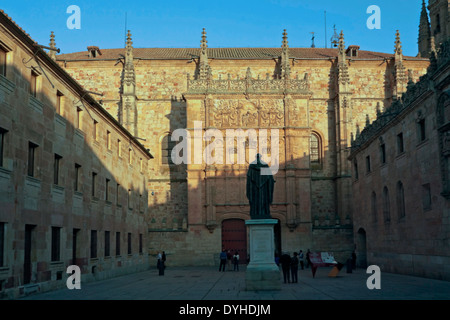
331, 94
400, 170
67, 194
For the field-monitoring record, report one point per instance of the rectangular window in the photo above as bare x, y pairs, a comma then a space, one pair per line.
75, 246
107, 189
141, 164
56, 167
368, 168
77, 177
95, 132
130, 206
140, 243
2, 62
130, 156
31, 158
94, 181
2, 146
118, 194
117, 243
355, 167
421, 130
383, 154
33, 84
400, 144
2, 242
93, 243
129, 243
59, 102
119, 148
108, 140
426, 196
79, 118
56, 243
107, 242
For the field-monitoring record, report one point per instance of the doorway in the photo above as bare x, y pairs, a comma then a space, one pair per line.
234, 238
29, 248
361, 249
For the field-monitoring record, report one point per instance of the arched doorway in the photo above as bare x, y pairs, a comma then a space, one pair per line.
361, 249
234, 238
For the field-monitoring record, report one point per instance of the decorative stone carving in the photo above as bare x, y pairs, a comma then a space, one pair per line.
246, 113
248, 86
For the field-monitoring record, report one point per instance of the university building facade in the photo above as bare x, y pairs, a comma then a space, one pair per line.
315, 99
73, 180
401, 168
89, 152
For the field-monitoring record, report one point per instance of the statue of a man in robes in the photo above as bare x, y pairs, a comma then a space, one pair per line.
259, 189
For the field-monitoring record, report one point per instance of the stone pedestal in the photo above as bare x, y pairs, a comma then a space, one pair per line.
262, 272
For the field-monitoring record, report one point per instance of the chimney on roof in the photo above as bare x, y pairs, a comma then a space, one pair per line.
352, 51
94, 51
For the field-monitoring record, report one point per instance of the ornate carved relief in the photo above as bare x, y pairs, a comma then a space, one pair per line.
246, 113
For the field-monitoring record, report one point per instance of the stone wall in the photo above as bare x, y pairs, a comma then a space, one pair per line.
401, 205
162, 108
52, 209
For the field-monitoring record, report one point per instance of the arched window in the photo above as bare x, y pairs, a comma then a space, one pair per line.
374, 207
315, 149
400, 200
386, 205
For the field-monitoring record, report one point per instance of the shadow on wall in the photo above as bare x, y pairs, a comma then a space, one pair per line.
61, 205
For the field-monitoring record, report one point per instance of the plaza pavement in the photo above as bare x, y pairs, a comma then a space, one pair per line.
207, 283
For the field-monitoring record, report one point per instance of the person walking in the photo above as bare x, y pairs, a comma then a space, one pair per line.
308, 261
160, 264
285, 261
223, 260
163, 258
236, 261
229, 258
294, 268
301, 258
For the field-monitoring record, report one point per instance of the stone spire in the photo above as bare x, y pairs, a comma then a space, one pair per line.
399, 68
341, 45
424, 33
204, 68
128, 113
52, 53
285, 69
343, 76
129, 73
398, 47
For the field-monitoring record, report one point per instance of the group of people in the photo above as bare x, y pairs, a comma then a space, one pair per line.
290, 264
227, 258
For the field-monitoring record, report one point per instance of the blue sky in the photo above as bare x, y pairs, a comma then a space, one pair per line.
177, 24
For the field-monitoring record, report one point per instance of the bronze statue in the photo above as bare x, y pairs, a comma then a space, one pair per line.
259, 189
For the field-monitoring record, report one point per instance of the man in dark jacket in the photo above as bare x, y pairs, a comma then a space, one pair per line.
294, 268
285, 261
223, 260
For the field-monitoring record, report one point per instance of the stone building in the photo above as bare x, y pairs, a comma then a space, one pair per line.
401, 171
73, 180
313, 98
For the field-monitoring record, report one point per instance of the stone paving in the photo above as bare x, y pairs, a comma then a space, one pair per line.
207, 283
